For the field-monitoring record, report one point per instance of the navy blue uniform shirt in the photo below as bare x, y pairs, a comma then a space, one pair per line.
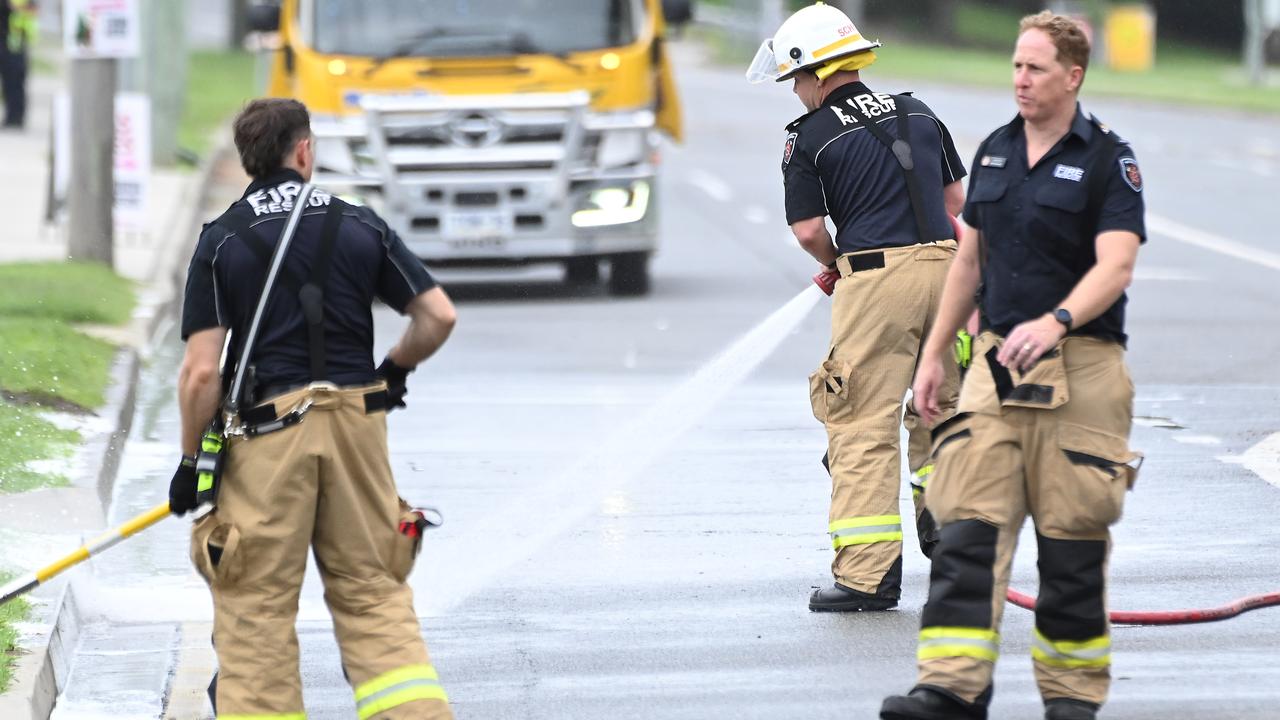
832, 165
1037, 224
369, 262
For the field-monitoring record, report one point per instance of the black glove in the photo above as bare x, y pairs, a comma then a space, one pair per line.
182, 488
395, 376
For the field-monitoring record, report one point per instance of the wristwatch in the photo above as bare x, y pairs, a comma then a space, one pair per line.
1063, 316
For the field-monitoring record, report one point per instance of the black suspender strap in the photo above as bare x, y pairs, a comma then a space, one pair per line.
258, 247
311, 295
901, 149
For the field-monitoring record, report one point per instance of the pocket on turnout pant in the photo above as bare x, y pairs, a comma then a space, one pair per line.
1084, 487
830, 392
215, 549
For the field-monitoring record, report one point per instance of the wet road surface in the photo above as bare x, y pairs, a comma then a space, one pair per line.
673, 584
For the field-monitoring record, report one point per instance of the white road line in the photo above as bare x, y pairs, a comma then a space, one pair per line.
1207, 241
1262, 459
1256, 165
713, 186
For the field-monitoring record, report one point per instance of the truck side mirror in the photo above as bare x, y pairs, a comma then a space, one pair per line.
677, 12
263, 17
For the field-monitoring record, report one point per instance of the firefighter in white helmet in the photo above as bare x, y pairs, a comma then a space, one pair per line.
885, 170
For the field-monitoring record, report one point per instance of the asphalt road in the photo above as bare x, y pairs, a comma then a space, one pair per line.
605, 559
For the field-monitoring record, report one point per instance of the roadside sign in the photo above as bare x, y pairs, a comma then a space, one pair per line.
100, 28
132, 159
132, 162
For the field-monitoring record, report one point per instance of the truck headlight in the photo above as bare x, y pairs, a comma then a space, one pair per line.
613, 206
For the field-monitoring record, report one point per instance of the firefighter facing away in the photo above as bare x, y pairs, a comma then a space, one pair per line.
1056, 215
884, 168
311, 471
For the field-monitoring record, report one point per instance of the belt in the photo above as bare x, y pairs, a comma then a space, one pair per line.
270, 391
861, 260
266, 418
850, 264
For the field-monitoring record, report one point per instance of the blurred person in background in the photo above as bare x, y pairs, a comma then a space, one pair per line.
892, 189
18, 25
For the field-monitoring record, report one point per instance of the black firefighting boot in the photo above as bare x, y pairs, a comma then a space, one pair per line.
1069, 709
839, 598
926, 703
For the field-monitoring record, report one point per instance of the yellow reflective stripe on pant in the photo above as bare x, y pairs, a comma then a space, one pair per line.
918, 488
865, 530
1072, 653
395, 688
267, 716
941, 642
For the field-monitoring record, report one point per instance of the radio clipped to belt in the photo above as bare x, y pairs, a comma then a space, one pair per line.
213, 450
964, 349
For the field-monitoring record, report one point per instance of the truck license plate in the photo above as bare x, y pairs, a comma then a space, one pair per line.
467, 228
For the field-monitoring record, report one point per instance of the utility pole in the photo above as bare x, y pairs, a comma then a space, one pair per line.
91, 192
161, 72
853, 8
1255, 29
772, 13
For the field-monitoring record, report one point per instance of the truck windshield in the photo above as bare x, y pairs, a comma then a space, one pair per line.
455, 28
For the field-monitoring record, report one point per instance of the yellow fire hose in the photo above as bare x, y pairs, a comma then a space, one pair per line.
27, 583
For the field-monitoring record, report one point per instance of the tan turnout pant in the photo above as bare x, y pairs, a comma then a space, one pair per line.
1057, 448
883, 308
326, 484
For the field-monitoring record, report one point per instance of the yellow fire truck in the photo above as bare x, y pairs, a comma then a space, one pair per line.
491, 132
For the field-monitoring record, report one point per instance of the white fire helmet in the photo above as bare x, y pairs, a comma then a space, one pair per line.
810, 38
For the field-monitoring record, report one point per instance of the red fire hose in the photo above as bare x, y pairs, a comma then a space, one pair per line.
1172, 617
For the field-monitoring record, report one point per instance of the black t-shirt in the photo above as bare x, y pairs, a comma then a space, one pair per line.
1036, 226
369, 262
832, 165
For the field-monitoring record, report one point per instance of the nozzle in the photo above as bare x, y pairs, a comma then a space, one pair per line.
827, 280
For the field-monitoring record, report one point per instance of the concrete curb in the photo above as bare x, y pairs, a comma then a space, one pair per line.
41, 674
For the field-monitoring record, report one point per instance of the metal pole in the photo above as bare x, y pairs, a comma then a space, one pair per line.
1254, 35
91, 194
105, 541
853, 8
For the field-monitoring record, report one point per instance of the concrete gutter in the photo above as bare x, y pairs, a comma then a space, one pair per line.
50, 641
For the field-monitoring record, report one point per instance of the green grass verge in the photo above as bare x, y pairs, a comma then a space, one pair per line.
70, 292
1182, 75
30, 437
11, 612
218, 84
43, 361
